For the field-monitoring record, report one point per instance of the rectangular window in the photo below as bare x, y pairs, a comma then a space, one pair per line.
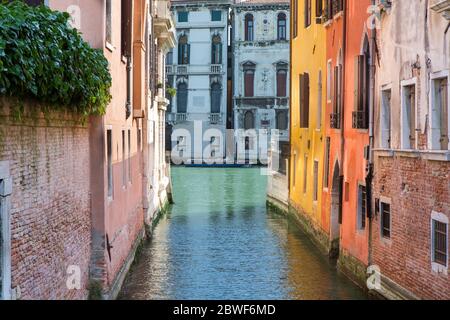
439, 121
129, 156
216, 15
327, 162
408, 124
385, 119
385, 211
307, 13
108, 35
304, 100
124, 163
316, 180
295, 18
319, 8
249, 79
305, 174
182, 16
109, 161
440, 240
361, 92
362, 207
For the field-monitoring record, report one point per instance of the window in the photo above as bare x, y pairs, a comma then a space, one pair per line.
124, 163
109, 161
249, 120
281, 82
216, 94
329, 74
335, 121
307, 13
139, 138
216, 50
249, 79
169, 58
295, 18
129, 155
439, 242
362, 207
216, 15
319, 8
249, 27
182, 97
327, 162
334, 7
408, 116
108, 32
385, 211
319, 101
182, 16
385, 119
305, 174
362, 90
183, 50
316, 180
304, 100
282, 119
281, 26
440, 114
126, 16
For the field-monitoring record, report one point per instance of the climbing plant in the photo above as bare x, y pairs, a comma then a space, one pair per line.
43, 58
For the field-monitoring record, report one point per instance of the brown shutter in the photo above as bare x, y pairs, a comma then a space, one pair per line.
281, 83
126, 27
304, 100
336, 90
359, 83
249, 82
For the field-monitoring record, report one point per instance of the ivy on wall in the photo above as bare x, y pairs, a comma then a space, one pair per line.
43, 58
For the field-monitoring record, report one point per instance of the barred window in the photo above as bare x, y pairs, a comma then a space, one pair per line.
440, 240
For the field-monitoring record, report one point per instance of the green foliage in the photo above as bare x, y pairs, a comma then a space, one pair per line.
43, 58
171, 91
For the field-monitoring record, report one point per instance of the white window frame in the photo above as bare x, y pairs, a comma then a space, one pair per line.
404, 136
440, 217
383, 127
384, 200
434, 144
5, 232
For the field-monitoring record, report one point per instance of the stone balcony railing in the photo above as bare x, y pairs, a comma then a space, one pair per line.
262, 102
185, 69
163, 24
212, 118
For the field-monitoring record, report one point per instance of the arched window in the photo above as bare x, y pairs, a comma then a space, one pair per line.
183, 50
249, 26
216, 50
249, 78
249, 120
182, 97
282, 120
216, 95
281, 26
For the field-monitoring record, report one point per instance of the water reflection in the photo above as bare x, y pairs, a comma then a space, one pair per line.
219, 242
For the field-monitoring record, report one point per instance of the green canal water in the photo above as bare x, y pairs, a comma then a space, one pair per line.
218, 241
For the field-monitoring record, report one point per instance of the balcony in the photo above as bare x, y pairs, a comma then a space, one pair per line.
163, 25
262, 102
215, 118
216, 68
181, 117
335, 121
359, 120
182, 69
443, 7
169, 69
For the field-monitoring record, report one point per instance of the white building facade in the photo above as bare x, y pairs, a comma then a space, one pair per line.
197, 69
260, 49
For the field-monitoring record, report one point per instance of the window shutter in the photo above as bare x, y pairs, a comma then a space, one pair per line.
188, 60
304, 100
443, 94
307, 99
335, 89
359, 79
126, 27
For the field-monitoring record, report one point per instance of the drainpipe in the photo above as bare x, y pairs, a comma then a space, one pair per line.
341, 168
370, 164
128, 103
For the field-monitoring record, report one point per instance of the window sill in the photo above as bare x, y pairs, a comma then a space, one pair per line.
109, 46
439, 268
432, 155
338, 15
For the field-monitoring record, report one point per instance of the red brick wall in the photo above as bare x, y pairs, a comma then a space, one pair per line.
416, 187
50, 204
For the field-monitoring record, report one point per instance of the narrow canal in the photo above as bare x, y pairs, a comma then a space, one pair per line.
219, 242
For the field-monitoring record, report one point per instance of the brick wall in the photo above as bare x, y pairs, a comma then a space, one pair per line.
415, 188
50, 204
